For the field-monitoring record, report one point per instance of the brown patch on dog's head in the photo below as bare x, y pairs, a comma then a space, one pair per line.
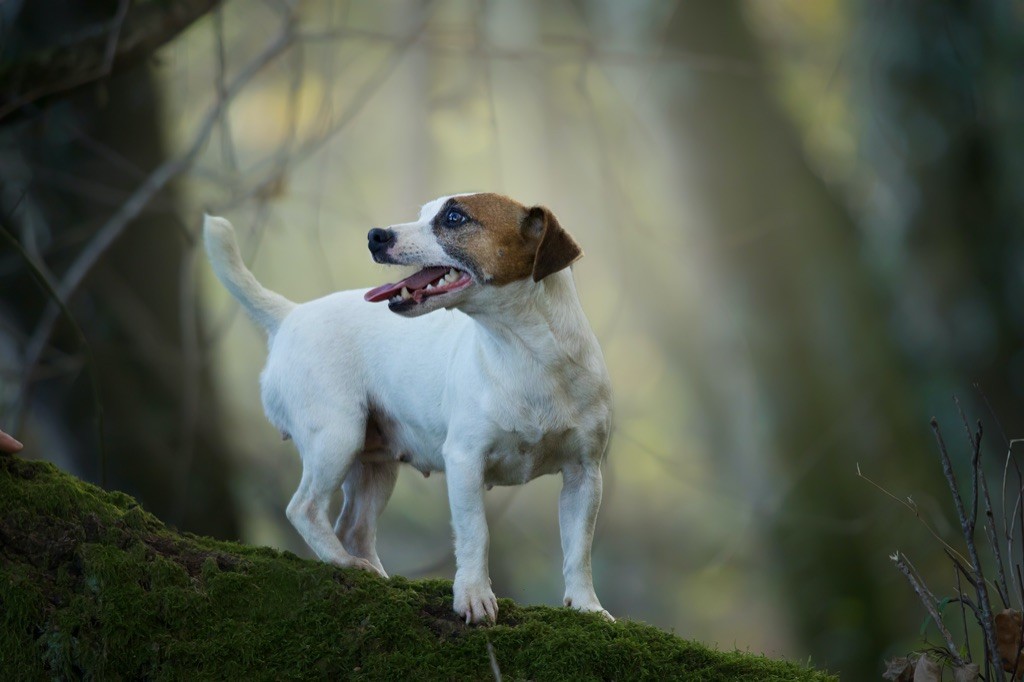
500, 241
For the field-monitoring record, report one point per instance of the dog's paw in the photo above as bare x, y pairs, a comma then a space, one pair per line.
360, 563
366, 565
475, 602
588, 606
373, 568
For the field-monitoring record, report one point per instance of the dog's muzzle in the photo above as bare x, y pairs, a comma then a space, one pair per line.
379, 241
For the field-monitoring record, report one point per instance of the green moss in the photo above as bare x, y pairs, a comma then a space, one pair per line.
92, 586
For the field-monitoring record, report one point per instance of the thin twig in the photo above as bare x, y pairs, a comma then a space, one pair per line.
360, 99
992, 413
963, 611
1008, 526
926, 597
227, 138
138, 201
912, 506
964, 600
978, 477
983, 602
115, 35
972, 579
974, 440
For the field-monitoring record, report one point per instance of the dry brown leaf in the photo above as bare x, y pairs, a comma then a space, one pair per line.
968, 672
927, 670
1008, 640
899, 669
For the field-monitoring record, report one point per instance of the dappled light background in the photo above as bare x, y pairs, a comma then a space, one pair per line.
802, 233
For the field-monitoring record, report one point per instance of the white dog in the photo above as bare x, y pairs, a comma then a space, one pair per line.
508, 386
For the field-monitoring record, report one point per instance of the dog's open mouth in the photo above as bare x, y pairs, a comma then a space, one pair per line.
414, 289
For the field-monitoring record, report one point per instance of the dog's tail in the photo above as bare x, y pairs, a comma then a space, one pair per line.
265, 307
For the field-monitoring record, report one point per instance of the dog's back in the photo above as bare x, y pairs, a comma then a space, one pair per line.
352, 355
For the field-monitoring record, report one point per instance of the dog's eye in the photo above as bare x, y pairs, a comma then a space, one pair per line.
454, 218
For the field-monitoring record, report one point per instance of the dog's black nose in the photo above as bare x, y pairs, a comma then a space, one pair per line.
380, 239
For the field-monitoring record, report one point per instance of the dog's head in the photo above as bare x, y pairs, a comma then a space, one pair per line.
465, 243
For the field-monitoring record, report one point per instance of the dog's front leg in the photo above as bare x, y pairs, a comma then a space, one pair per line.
577, 514
474, 598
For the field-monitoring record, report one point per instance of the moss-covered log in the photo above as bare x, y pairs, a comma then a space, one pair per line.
93, 586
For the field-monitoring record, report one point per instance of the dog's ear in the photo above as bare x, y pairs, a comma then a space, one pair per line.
556, 249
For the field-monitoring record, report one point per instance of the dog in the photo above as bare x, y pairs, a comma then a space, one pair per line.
508, 383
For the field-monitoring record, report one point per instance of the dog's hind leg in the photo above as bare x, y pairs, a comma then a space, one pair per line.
327, 456
367, 487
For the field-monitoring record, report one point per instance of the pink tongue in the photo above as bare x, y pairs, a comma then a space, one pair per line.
412, 282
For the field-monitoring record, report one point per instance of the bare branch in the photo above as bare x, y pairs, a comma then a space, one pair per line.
227, 139
928, 599
138, 201
134, 32
963, 611
978, 478
273, 175
1008, 525
972, 550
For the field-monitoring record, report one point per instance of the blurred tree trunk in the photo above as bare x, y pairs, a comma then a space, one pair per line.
825, 390
53, 47
942, 89
66, 169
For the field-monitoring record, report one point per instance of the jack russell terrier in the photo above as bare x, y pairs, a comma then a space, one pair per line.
509, 385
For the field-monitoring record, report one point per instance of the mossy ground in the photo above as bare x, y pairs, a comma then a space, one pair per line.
92, 586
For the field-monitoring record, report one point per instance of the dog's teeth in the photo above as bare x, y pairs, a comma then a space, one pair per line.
429, 286
405, 294
451, 276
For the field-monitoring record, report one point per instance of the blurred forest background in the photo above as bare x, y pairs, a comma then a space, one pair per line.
803, 225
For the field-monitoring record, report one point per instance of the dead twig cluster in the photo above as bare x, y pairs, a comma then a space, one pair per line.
1001, 633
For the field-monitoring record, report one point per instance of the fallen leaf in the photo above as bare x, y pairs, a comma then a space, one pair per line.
927, 670
968, 672
899, 670
1008, 640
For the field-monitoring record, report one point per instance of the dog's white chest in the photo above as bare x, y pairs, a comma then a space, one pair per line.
515, 458
536, 433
